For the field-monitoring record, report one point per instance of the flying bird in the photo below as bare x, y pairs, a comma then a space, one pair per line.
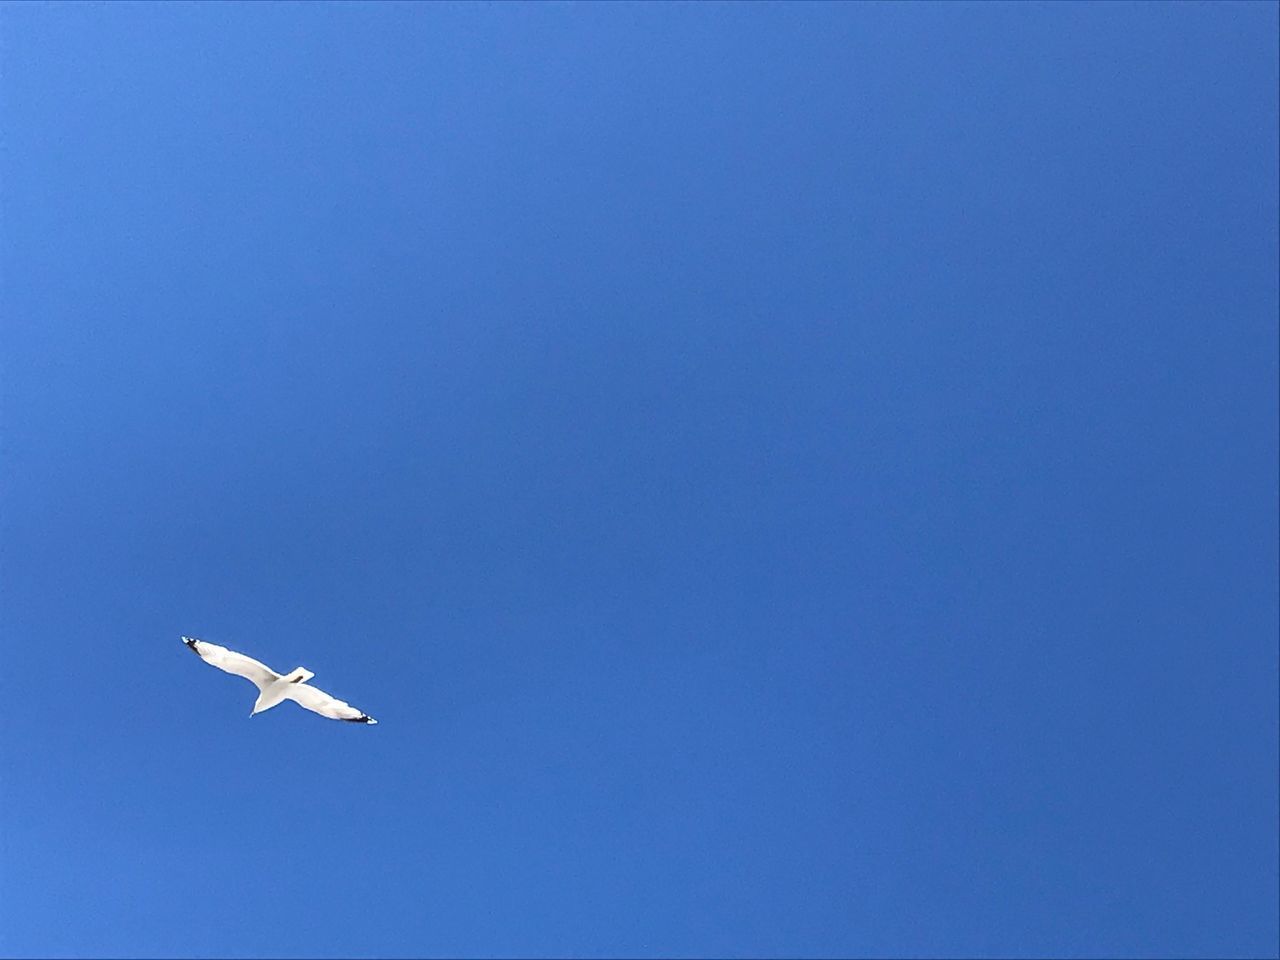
272, 687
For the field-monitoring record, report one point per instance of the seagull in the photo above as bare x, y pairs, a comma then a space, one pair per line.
272, 687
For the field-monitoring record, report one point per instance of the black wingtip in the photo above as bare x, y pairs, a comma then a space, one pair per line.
363, 718
190, 642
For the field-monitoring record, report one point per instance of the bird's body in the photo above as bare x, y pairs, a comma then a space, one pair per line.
274, 688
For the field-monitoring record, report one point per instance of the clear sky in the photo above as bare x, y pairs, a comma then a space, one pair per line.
789, 479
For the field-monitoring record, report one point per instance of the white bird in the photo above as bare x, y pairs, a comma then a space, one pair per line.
272, 687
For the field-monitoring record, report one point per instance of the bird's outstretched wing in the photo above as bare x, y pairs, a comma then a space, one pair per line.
317, 700
233, 662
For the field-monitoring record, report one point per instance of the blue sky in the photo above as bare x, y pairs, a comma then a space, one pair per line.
789, 479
